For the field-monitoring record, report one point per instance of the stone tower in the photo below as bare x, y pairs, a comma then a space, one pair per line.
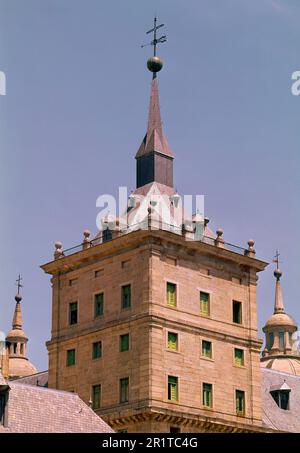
157, 327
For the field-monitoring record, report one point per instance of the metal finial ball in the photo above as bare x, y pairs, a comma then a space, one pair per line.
18, 297
277, 273
154, 64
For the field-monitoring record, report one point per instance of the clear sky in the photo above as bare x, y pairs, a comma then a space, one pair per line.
75, 113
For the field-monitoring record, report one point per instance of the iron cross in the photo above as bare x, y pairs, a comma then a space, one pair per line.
18, 283
276, 258
155, 39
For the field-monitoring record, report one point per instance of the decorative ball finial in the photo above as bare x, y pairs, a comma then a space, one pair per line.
154, 64
18, 297
277, 274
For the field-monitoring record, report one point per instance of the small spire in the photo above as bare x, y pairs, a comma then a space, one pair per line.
17, 322
278, 306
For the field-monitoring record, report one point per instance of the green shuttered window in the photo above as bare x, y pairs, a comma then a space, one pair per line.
126, 296
207, 349
171, 294
239, 357
99, 305
173, 341
96, 396
172, 388
71, 357
124, 342
124, 390
207, 394
204, 303
240, 402
97, 350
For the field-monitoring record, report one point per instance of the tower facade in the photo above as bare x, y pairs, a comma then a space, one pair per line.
157, 328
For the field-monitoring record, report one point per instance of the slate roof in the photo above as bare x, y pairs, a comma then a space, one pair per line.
273, 416
40, 379
34, 409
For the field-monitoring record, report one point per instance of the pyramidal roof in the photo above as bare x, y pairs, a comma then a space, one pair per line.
154, 139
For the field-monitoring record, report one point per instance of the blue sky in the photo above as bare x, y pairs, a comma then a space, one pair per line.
75, 114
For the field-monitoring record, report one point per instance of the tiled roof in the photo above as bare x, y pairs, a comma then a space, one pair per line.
273, 416
40, 379
34, 409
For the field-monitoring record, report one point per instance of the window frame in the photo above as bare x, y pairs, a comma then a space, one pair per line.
205, 406
242, 365
169, 392
202, 313
93, 349
70, 313
169, 282
121, 401
98, 293
100, 396
67, 357
211, 357
123, 286
235, 302
239, 413
177, 341
124, 335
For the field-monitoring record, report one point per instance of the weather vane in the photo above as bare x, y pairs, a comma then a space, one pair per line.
18, 283
276, 258
154, 63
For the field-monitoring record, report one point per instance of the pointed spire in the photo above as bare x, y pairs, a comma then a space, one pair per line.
278, 306
17, 322
154, 139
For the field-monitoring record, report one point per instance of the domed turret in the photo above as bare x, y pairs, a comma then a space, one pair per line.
279, 329
16, 343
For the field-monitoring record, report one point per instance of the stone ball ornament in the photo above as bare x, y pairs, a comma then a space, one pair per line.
154, 64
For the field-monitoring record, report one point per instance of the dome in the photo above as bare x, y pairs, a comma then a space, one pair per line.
15, 333
280, 319
285, 364
20, 367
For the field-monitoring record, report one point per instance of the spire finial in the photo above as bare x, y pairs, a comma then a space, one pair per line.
154, 63
278, 306
277, 272
18, 297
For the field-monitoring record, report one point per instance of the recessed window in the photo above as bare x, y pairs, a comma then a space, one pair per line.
281, 341
281, 397
171, 294
99, 272
96, 396
173, 341
71, 357
124, 342
270, 340
21, 348
98, 305
236, 312
172, 388
174, 429
238, 357
3, 401
240, 402
206, 349
124, 390
15, 348
73, 313
126, 296
107, 235
73, 281
204, 303
207, 394
125, 264
97, 350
